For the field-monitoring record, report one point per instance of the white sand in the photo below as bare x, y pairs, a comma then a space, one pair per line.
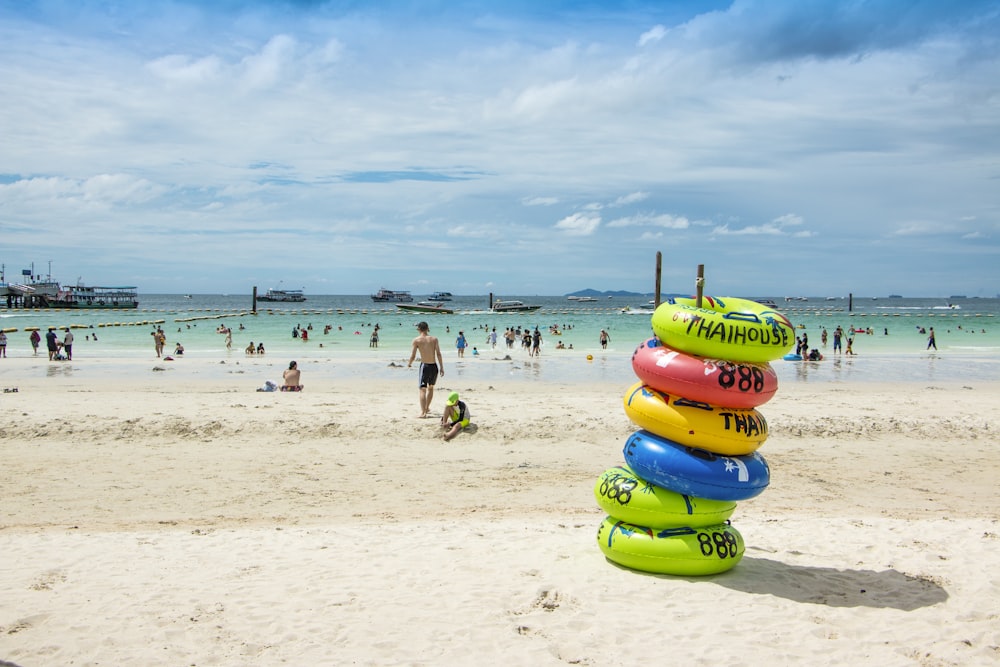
155, 521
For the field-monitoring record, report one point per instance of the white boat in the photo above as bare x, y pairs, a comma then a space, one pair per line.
38, 293
283, 295
581, 298
426, 307
440, 296
392, 296
513, 307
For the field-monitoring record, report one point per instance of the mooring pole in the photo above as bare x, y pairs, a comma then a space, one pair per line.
253, 306
699, 284
659, 275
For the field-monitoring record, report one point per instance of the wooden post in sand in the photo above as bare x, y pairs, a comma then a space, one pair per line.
699, 284
659, 273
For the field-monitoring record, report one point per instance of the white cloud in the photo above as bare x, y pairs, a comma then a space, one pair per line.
184, 69
788, 220
654, 34
633, 198
918, 228
264, 69
540, 201
579, 224
102, 189
776, 227
650, 220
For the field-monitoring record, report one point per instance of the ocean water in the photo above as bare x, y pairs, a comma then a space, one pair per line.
967, 331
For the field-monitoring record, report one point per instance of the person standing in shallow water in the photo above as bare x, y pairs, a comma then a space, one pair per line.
431, 365
931, 342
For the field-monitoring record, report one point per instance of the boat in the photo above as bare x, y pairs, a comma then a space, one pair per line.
94, 297
581, 298
425, 307
500, 306
392, 296
35, 292
283, 295
440, 296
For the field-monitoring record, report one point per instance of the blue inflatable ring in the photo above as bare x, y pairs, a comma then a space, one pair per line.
695, 472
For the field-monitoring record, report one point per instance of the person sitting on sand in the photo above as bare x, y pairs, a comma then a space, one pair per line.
456, 416
250, 349
292, 378
179, 350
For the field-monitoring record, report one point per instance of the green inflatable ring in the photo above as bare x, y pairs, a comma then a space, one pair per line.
681, 551
738, 330
627, 497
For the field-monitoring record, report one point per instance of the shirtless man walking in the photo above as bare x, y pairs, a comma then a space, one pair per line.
431, 365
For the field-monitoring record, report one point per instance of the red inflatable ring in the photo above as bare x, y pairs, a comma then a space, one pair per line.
732, 384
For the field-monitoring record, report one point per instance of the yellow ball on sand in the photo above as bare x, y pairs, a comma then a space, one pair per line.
590, 357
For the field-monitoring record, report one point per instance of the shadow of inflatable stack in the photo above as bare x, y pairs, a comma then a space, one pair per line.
695, 454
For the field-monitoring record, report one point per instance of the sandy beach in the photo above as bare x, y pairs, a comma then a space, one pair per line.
153, 520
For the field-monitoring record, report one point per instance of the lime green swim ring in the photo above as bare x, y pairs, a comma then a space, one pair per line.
683, 551
627, 497
724, 328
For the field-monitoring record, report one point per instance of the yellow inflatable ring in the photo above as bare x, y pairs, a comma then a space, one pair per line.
724, 328
728, 431
627, 497
683, 551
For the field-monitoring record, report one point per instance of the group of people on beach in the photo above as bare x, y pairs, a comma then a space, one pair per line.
59, 350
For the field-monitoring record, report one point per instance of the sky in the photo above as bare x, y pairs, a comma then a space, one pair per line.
519, 148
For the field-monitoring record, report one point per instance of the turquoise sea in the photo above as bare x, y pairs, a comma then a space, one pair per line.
968, 337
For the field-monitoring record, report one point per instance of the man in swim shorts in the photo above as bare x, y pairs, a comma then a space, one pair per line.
431, 365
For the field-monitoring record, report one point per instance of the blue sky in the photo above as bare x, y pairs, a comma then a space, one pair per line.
522, 148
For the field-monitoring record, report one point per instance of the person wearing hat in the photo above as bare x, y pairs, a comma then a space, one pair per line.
456, 416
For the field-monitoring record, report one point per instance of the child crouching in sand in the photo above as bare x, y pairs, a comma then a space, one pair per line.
456, 416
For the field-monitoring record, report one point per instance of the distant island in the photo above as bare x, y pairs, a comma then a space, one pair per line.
593, 292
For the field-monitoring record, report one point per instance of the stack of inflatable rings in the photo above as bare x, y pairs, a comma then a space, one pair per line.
695, 454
